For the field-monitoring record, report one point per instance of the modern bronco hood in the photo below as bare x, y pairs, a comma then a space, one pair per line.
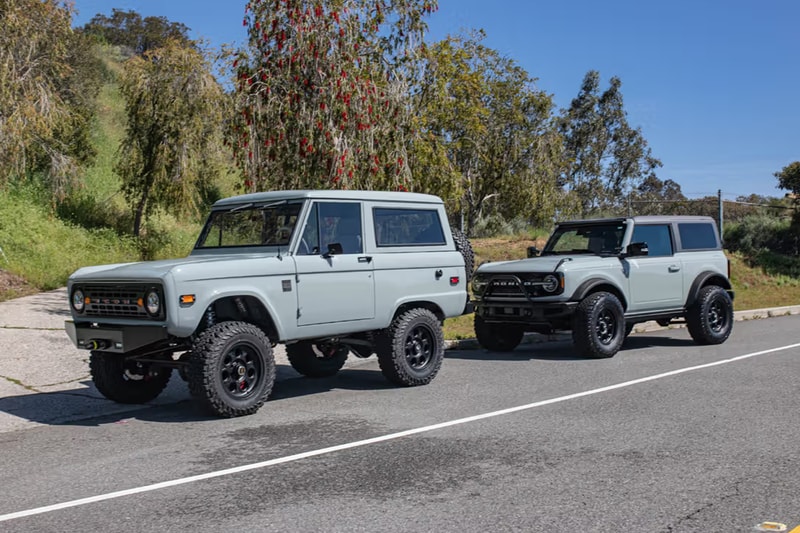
546, 264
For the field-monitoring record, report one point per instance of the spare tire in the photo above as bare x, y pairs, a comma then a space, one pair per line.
463, 245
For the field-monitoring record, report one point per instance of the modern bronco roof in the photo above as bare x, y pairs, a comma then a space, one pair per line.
379, 196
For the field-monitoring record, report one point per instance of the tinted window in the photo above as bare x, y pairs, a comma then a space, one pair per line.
697, 235
407, 227
659, 242
332, 222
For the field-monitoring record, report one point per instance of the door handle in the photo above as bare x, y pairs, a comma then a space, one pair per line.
365, 259
674, 268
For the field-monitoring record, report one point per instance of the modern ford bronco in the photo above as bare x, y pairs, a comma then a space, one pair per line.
328, 273
600, 277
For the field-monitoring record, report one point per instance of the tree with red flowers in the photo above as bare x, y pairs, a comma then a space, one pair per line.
321, 93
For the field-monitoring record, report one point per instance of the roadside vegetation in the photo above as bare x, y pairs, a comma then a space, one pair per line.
122, 163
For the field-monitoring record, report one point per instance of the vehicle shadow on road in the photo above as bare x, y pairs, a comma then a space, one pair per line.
85, 406
563, 350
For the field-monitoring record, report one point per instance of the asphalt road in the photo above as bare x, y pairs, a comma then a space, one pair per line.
665, 437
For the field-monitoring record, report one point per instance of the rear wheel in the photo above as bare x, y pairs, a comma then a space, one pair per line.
710, 319
599, 325
127, 381
497, 337
411, 350
231, 369
317, 360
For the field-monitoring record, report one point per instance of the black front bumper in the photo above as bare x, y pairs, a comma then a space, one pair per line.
115, 339
525, 312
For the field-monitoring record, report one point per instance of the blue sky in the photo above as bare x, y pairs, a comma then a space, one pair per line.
713, 84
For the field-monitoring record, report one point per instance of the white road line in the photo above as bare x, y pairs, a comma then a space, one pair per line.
374, 440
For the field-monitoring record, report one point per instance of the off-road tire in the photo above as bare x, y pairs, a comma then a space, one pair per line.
598, 328
410, 351
710, 319
465, 247
497, 337
231, 369
316, 360
126, 381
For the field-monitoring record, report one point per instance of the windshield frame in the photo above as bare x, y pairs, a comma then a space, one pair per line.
587, 238
273, 226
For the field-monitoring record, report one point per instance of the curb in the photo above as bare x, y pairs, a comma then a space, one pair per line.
538, 338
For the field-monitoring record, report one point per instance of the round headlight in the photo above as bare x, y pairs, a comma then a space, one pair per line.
152, 303
550, 283
479, 284
78, 302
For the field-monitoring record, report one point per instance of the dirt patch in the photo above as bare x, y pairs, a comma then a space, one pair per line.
13, 286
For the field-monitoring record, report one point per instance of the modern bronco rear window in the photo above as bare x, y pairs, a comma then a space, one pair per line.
407, 227
697, 236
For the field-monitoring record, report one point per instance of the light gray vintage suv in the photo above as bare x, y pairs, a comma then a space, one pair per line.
600, 277
328, 273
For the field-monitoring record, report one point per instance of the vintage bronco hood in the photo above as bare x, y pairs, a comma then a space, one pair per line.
204, 266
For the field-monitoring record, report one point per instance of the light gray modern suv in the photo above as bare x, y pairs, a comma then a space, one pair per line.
328, 273
600, 277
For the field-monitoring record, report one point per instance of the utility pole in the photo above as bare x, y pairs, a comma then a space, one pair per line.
720, 219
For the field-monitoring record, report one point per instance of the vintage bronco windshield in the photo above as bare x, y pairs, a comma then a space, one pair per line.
601, 239
251, 225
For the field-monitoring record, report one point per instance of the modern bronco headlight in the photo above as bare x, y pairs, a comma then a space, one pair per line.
78, 301
152, 302
479, 283
550, 283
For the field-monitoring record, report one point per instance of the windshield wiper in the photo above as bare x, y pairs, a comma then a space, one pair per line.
241, 208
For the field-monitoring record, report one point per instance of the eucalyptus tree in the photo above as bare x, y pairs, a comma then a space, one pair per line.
607, 156
481, 113
173, 105
47, 92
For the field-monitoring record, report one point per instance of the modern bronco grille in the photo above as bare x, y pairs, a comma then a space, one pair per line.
518, 285
113, 300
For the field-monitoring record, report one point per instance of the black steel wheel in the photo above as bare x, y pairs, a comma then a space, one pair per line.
127, 381
317, 360
497, 337
598, 328
231, 369
710, 319
411, 350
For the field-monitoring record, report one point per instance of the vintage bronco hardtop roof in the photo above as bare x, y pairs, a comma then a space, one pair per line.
379, 196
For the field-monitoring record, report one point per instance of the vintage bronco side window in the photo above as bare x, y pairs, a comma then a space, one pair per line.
332, 222
657, 237
407, 227
250, 225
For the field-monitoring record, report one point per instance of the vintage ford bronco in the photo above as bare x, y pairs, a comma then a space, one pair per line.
600, 277
328, 273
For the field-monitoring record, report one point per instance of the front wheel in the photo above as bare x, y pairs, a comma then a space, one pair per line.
411, 350
599, 326
127, 381
231, 369
710, 319
317, 360
497, 337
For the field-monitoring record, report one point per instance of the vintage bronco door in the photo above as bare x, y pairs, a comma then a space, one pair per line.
335, 281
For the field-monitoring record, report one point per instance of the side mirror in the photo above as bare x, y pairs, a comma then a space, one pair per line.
637, 249
334, 248
533, 251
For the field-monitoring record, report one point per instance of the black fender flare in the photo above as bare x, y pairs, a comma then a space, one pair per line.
707, 278
593, 285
